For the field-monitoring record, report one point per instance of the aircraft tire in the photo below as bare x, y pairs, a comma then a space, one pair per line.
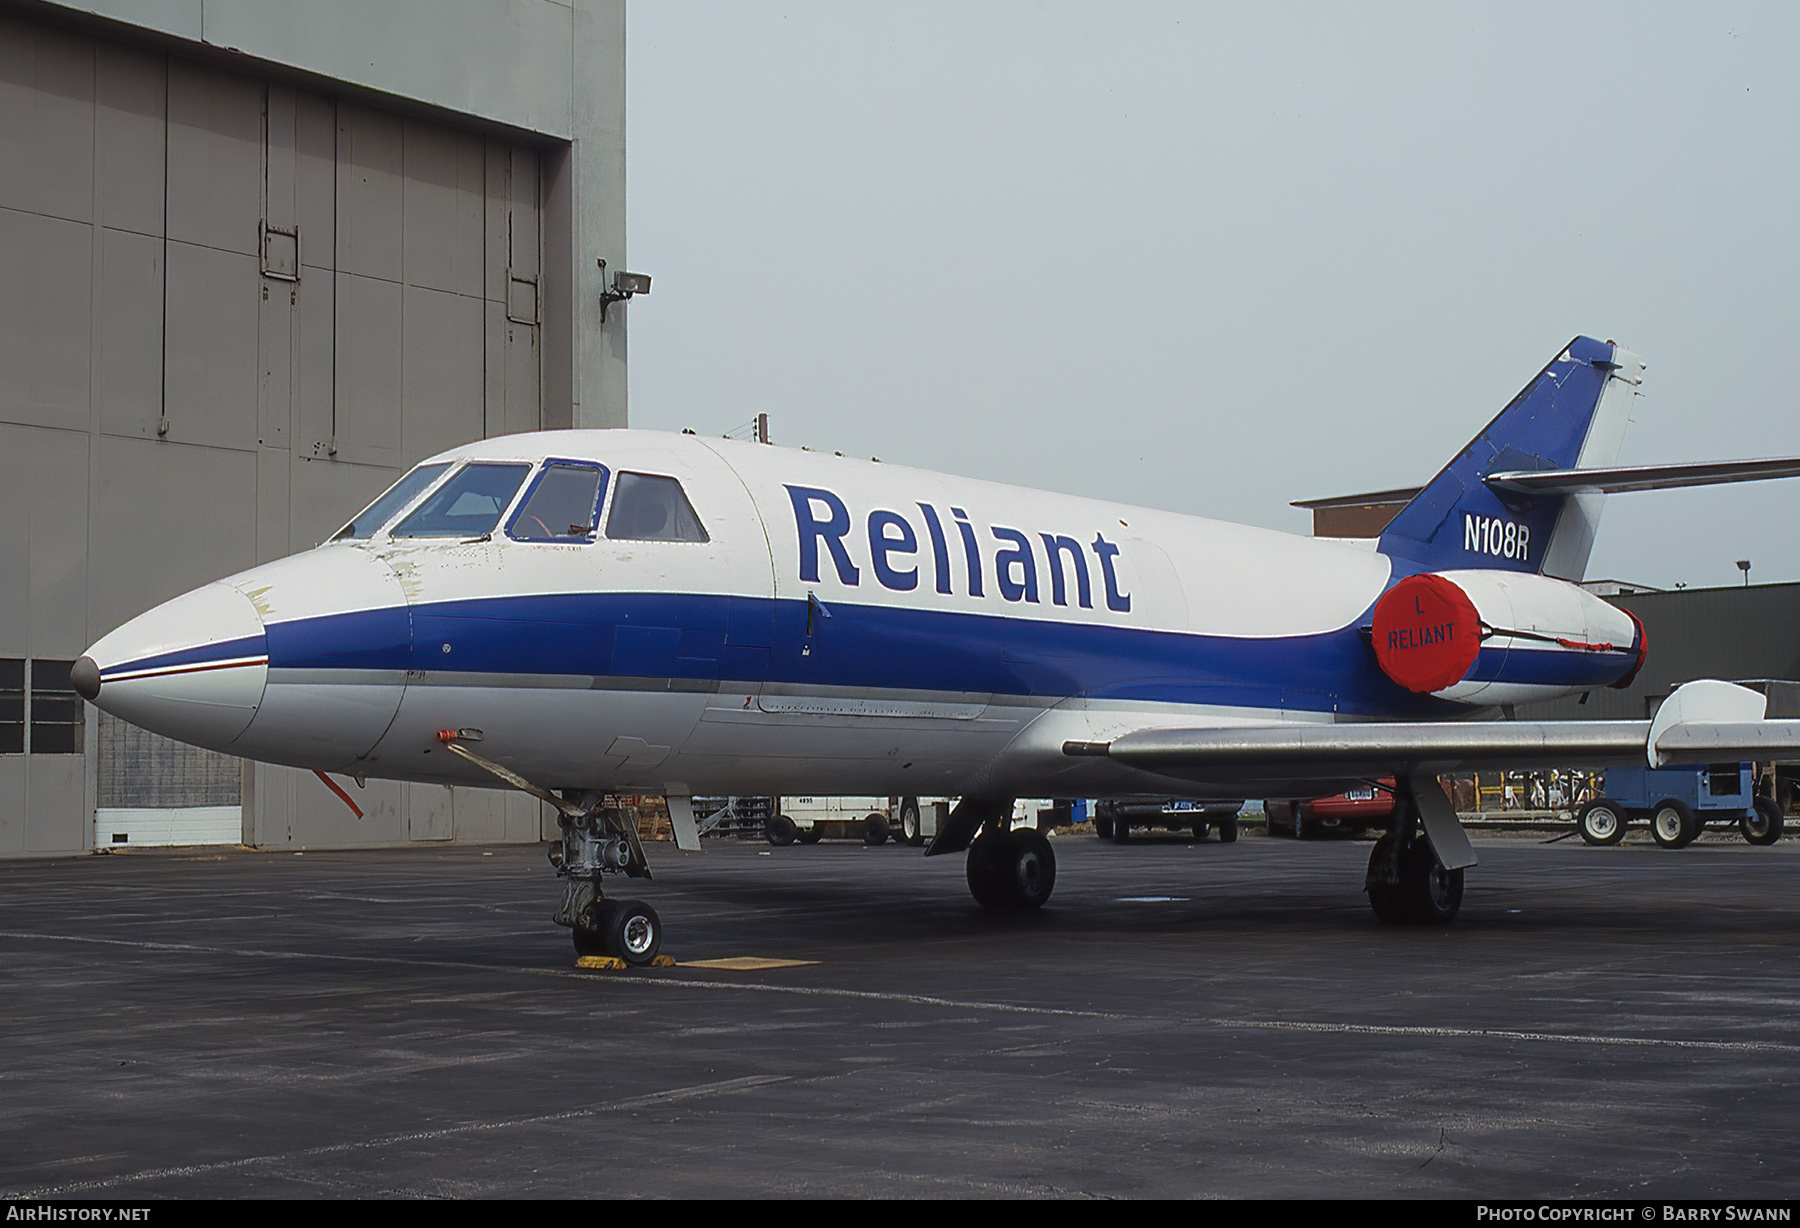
633, 932
1765, 827
1228, 830
1201, 829
1673, 824
1103, 820
591, 939
1030, 865
875, 830
1387, 901
911, 829
1431, 894
1602, 822
986, 871
781, 831
1121, 829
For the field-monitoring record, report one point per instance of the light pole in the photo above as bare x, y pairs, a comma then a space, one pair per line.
1744, 566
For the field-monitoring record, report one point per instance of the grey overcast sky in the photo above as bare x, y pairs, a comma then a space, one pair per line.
1214, 258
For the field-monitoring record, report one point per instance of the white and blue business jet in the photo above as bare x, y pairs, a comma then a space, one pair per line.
585, 613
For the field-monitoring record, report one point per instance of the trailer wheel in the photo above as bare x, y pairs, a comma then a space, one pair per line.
1673, 823
875, 830
1764, 826
1602, 822
781, 831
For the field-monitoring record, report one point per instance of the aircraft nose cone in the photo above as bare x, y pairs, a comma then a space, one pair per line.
84, 676
192, 669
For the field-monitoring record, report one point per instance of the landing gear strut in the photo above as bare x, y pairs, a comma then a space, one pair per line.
1407, 880
596, 841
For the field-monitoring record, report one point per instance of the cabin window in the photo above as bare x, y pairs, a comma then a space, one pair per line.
398, 496
647, 508
469, 504
562, 505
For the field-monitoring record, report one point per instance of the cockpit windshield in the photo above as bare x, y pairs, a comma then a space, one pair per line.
469, 504
396, 497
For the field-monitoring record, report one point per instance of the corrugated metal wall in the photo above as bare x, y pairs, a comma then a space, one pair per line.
234, 311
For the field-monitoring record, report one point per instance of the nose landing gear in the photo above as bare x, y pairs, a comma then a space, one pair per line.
596, 841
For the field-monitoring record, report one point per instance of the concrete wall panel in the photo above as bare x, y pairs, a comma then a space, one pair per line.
480, 815
57, 524
369, 370
315, 179
130, 111
45, 266
211, 373
443, 208
17, 456
168, 518
128, 340
56, 820
444, 380
428, 812
215, 158
12, 803
315, 363
46, 121
371, 163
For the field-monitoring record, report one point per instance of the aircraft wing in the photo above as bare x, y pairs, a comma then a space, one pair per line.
1703, 722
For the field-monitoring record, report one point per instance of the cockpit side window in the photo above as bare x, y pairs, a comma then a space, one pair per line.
562, 504
397, 496
648, 508
469, 504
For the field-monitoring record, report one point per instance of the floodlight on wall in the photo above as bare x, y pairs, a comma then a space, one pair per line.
624, 286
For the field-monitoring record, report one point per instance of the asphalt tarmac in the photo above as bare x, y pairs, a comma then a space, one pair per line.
1182, 1020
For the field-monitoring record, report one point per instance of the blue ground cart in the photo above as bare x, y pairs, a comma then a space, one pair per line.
1678, 802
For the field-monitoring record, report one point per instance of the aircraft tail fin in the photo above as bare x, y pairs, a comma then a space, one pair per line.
1572, 415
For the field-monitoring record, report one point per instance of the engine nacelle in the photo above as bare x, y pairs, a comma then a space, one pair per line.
1501, 637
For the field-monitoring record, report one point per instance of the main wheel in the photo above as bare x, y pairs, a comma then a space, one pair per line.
1103, 820
1030, 868
1121, 829
1201, 829
633, 932
875, 830
1304, 828
1432, 894
911, 829
1764, 827
1672, 823
1602, 822
986, 871
1385, 899
1228, 830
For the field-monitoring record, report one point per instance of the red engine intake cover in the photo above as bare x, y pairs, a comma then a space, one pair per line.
1426, 633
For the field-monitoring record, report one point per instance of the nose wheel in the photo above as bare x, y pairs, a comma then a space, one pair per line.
624, 929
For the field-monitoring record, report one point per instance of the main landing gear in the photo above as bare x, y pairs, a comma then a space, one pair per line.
596, 841
1007, 868
1408, 881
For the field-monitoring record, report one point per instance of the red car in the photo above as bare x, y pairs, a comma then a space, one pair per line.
1351, 811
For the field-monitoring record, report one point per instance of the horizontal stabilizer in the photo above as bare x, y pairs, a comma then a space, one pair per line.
1626, 478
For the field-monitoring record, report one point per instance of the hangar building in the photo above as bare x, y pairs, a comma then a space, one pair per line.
258, 260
